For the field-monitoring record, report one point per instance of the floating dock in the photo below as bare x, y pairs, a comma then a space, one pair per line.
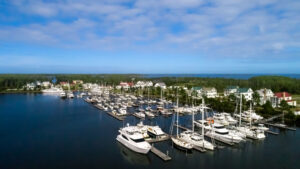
121, 118
280, 126
160, 154
181, 127
271, 132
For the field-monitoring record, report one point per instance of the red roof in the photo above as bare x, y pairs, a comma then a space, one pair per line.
281, 94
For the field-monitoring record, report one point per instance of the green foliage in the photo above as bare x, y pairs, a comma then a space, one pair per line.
256, 98
268, 109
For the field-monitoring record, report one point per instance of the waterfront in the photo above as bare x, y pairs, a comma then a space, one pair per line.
42, 131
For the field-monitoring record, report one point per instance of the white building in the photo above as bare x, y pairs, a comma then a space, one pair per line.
230, 90
285, 96
198, 90
265, 95
210, 92
46, 84
143, 84
161, 85
30, 86
246, 92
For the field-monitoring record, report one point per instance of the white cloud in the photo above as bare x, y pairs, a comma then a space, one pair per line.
219, 28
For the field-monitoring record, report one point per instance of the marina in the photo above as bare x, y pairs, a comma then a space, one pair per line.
93, 122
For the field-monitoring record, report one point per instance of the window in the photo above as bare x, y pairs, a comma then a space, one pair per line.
124, 137
138, 140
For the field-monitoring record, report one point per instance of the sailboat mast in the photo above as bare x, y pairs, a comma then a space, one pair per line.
193, 118
203, 117
177, 117
250, 115
240, 110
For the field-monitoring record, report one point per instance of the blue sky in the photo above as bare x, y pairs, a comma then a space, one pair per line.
149, 36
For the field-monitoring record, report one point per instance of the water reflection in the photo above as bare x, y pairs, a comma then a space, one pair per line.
133, 157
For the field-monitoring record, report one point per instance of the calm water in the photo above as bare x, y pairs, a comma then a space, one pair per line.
41, 132
227, 76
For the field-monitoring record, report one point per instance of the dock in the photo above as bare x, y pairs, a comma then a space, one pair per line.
181, 127
160, 154
280, 126
121, 118
155, 140
271, 132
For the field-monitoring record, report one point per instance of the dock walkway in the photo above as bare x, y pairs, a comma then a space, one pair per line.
121, 118
280, 126
160, 154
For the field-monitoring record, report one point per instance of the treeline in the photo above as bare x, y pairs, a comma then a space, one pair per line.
275, 83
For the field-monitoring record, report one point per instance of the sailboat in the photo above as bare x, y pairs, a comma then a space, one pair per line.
195, 138
177, 140
250, 133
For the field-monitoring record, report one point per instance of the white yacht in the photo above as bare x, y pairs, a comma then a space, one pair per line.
63, 95
122, 111
133, 140
55, 90
196, 140
220, 118
229, 118
149, 114
139, 115
219, 132
156, 132
251, 133
70, 95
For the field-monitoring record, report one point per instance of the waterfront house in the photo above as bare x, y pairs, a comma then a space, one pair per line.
198, 90
143, 84
285, 96
64, 84
77, 82
161, 85
246, 92
230, 90
46, 84
266, 95
210, 92
125, 85
30, 86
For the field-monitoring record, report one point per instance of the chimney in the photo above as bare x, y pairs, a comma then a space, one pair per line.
283, 95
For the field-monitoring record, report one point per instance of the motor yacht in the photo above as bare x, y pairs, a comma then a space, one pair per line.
133, 140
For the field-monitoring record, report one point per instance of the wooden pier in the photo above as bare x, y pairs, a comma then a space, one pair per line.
121, 118
280, 126
160, 154
181, 127
271, 132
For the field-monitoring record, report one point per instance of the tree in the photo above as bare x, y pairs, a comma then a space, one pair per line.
268, 109
256, 98
284, 107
